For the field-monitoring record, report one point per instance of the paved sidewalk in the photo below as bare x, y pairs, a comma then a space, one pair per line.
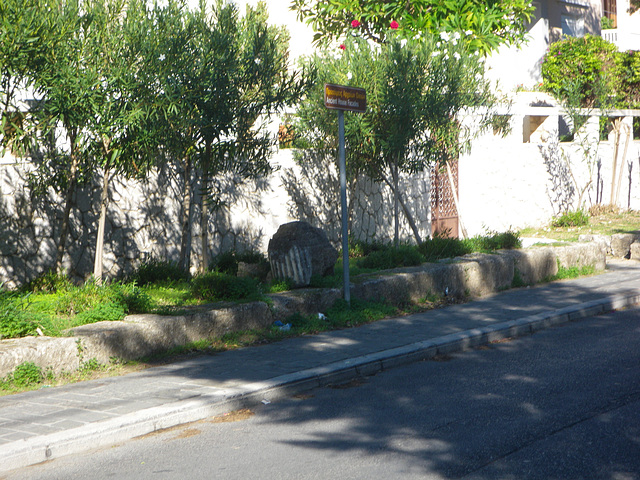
52, 422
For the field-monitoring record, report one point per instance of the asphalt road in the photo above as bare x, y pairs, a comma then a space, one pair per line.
561, 404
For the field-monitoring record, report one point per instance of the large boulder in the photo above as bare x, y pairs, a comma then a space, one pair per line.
299, 251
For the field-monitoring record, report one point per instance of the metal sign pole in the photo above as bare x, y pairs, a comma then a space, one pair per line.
343, 200
352, 99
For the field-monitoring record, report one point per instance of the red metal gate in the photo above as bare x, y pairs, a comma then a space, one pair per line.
444, 214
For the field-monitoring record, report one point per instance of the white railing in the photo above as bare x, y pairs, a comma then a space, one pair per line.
610, 35
623, 39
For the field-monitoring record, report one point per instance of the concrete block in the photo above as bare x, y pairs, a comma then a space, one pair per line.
621, 244
580, 255
533, 265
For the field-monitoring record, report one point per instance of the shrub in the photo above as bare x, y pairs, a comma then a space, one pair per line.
280, 286
439, 247
581, 70
392, 257
227, 262
214, 286
495, 241
15, 320
358, 248
577, 218
628, 70
50, 282
135, 299
26, 374
158, 271
590, 72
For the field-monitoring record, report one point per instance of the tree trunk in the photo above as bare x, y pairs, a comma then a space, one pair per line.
104, 201
405, 210
617, 129
187, 211
204, 217
627, 130
71, 188
396, 212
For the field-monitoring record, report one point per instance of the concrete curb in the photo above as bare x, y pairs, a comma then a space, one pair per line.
27, 452
137, 336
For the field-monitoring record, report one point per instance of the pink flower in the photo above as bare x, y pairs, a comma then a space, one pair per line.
355, 23
342, 46
394, 25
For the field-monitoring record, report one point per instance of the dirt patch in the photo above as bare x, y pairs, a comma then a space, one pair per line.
235, 416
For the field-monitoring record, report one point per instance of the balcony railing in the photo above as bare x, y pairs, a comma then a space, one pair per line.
623, 39
610, 35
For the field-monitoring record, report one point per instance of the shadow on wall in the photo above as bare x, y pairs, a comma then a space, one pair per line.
119, 245
235, 223
231, 221
314, 192
27, 246
158, 230
560, 190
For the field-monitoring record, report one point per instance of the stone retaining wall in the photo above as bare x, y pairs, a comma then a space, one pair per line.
143, 335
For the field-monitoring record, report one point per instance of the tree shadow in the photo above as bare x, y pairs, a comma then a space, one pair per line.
465, 417
27, 244
561, 191
313, 187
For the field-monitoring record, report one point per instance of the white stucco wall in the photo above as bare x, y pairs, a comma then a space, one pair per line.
506, 182
514, 66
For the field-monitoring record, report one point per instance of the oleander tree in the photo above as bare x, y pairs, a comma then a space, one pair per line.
25, 37
67, 95
219, 76
418, 91
489, 24
85, 111
120, 144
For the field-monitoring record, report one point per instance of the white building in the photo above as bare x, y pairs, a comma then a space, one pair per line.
625, 31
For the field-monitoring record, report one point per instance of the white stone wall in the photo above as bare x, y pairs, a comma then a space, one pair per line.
510, 182
143, 220
507, 183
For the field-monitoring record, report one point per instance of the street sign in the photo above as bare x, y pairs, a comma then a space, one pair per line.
340, 97
352, 99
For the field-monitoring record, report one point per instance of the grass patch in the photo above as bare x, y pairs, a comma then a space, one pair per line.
28, 376
576, 218
565, 273
438, 248
51, 304
603, 220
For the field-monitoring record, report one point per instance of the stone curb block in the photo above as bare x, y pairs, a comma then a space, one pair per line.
100, 434
143, 335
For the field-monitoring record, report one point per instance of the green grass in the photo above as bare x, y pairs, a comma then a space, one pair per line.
50, 305
565, 273
603, 220
576, 218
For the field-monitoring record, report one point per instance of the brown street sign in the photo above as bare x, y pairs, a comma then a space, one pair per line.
339, 97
